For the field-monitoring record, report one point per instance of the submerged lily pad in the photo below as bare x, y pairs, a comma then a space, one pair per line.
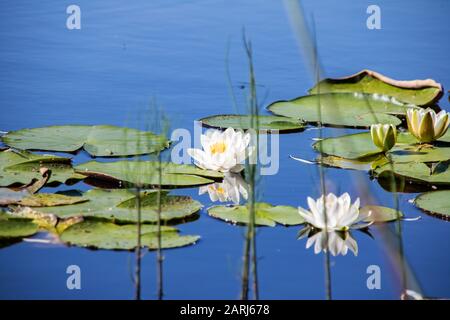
269, 123
121, 205
381, 214
364, 164
147, 173
418, 92
24, 167
11, 227
435, 202
417, 172
341, 109
105, 235
266, 214
99, 141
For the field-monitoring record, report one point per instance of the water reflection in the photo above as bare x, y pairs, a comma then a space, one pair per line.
339, 242
231, 189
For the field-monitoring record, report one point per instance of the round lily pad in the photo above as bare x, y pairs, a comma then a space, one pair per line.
121, 205
266, 214
417, 172
435, 202
267, 123
99, 141
106, 235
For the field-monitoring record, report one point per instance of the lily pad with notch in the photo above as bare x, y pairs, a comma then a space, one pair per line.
22, 167
356, 110
360, 145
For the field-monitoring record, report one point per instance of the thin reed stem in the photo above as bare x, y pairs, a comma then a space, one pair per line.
159, 256
138, 247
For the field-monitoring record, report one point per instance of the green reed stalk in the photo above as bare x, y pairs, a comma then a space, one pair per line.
138, 250
138, 247
159, 256
250, 263
253, 167
328, 292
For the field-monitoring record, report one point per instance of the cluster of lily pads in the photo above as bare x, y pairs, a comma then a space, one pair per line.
411, 156
105, 216
100, 217
417, 153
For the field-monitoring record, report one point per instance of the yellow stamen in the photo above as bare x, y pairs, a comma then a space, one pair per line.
220, 190
218, 147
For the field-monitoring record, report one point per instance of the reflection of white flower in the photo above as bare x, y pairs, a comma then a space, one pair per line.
426, 125
222, 151
231, 189
338, 242
411, 295
340, 213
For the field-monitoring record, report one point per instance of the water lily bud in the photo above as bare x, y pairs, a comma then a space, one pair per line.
384, 136
426, 125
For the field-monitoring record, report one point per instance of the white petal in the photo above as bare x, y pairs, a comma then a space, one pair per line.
306, 215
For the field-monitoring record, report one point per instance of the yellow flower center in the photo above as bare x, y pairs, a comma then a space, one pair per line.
218, 147
220, 190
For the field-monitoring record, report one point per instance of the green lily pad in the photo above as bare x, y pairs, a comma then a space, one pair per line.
418, 92
269, 123
354, 146
48, 200
266, 214
435, 202
341, 109
416, 172
120, 205
11, 227
146, 173
105, 235
23, 167
99, 141
25, 198
381, 214
360, 145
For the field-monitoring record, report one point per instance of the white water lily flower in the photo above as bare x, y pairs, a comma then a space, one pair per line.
426, 125
384, 136
340, 213
231, 189
222, 151
338, 243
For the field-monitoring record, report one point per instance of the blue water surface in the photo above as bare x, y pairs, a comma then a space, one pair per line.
128, 54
